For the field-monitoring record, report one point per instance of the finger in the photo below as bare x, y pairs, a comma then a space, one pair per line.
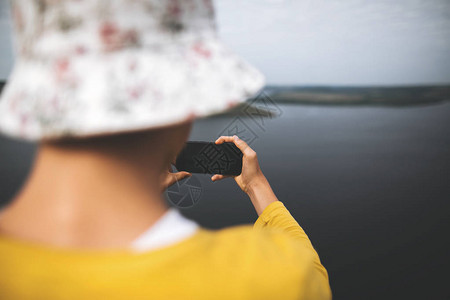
177, 177
174, 177
225, 138
221, 139
181, 175
241, 144
217, 177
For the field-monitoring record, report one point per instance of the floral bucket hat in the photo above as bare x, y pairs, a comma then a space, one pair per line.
93, 67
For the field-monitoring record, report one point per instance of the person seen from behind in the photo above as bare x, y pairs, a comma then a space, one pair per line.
109, 91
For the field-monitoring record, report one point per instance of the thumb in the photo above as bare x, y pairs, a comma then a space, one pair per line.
181, 175
217, 177
241, 144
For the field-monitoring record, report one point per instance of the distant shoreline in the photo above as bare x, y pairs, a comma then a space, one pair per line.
384, 96
375, 95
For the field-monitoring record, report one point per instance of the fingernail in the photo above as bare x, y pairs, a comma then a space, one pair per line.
235, 137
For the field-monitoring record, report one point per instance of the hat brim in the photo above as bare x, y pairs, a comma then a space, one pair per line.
127, 90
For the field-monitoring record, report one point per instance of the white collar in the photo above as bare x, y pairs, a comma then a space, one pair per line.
171, 228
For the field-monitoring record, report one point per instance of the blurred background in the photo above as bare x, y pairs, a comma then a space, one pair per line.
352, 131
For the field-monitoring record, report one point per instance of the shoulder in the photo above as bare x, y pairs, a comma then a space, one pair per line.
268, 242
268, 259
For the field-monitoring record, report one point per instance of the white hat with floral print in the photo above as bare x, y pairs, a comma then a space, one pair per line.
93, 67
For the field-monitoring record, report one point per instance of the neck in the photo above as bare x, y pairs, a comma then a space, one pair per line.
82, 198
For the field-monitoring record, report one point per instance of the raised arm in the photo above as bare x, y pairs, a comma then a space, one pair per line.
272, 213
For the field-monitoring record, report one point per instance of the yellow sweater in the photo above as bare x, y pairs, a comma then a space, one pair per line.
274, 260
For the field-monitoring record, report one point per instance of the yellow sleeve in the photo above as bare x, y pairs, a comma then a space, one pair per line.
276, 216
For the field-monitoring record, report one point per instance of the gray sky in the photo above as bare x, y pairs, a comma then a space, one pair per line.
320, 42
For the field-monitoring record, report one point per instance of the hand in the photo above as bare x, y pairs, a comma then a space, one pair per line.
252, 181
169, 178
251, 172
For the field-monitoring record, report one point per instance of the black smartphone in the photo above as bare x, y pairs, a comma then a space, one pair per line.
210, 158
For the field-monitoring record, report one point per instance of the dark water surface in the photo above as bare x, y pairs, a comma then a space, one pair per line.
370, 186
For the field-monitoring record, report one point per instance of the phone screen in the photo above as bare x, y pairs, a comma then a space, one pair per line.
210, 158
